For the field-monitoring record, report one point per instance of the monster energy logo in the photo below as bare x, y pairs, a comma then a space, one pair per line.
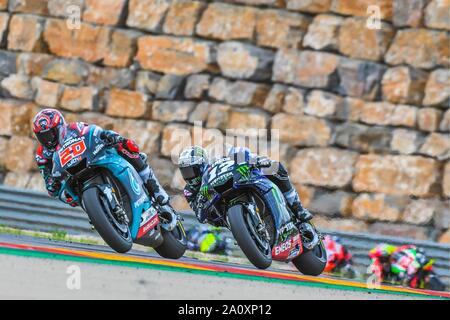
286, 231
205, 192
244, 171
199, 152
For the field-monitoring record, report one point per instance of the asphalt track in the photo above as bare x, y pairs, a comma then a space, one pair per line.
33, 268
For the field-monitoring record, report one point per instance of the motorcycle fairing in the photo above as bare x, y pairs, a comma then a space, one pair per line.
274, 200
288, 243
97, 155
132, 182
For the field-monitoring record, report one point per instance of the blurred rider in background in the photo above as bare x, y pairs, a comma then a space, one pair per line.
208, 239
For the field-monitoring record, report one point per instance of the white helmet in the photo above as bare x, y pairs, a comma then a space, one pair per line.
192, 163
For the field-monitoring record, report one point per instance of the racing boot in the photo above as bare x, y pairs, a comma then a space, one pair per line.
310, 236
303, 215
294, 203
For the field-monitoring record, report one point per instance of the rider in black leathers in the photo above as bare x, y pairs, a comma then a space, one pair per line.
193, 163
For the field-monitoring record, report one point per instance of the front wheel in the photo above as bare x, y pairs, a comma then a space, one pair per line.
258, 251
116, 234
312, 262
174, 244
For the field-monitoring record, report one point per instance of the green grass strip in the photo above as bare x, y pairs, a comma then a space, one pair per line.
133, 264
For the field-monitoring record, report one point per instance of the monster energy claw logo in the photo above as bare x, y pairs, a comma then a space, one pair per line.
244, 171
205, 192
199, 151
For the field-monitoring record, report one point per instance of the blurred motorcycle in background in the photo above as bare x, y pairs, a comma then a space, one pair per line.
246, 202
209, 239
340, 260
406, 265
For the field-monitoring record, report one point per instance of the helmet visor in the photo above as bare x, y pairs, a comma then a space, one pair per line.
190, 172
49, 138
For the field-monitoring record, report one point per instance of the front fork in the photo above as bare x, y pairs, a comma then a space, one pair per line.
115, 205
256, 219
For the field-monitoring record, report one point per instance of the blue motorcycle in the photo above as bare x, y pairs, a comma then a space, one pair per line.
113, 195
241, 198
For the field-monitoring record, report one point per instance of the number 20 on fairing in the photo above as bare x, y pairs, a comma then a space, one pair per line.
72, 151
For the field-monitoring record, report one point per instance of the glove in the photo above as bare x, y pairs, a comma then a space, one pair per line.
263, 162
198, 210
200, 216
111, 138
53, 186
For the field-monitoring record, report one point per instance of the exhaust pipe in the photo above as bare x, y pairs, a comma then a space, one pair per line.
169, 214
307, 228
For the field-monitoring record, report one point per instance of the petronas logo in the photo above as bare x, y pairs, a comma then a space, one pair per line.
244, 171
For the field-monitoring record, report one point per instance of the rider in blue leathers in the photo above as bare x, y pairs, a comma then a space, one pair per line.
193, 163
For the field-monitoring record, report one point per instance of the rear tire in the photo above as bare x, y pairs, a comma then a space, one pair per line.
312, 262
244, 239
174, 244
435, 284
102, 223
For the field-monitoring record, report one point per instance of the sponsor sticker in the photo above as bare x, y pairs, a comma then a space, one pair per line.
73, 151
140, 201
282, 247
134, 183
152, 222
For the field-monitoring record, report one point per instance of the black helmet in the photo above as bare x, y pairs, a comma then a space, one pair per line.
49, 127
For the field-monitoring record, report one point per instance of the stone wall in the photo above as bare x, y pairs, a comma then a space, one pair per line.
363, 113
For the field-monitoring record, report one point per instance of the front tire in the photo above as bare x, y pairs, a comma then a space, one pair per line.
242, 234
312, 262
174, 244
101, 218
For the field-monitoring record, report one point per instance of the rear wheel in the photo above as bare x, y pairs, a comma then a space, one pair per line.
174, 244
312, 262
434, 283
257, 250
115, 233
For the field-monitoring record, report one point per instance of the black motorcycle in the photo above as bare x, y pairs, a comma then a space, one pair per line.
240, 198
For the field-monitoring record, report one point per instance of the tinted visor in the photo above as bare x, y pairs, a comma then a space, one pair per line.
191, 172
48, 139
